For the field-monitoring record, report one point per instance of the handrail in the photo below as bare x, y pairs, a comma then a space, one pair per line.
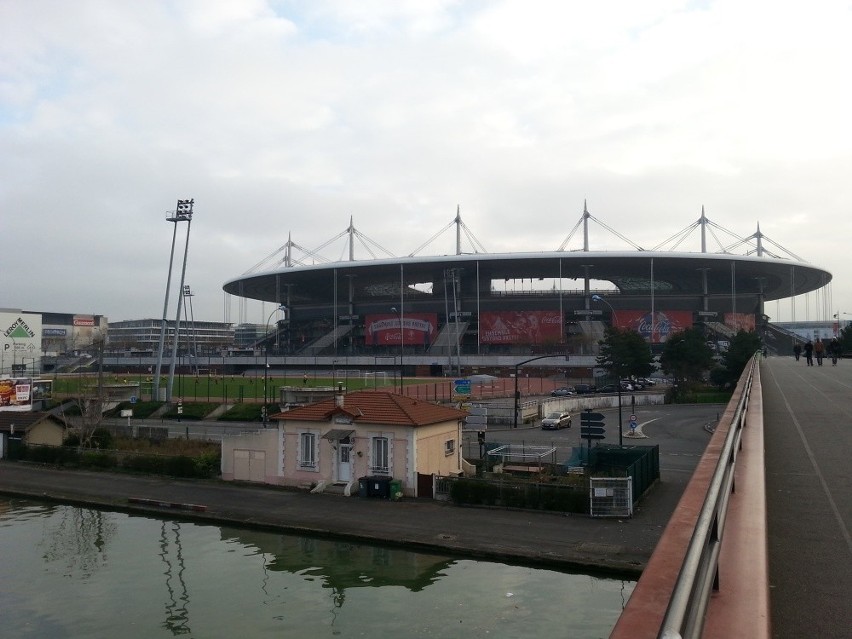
698, 575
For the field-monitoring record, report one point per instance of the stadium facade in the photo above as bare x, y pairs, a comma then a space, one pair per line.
474, 311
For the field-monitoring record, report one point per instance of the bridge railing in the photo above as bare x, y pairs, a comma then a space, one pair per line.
679, 592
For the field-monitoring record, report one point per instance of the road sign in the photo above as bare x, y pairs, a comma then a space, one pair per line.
591, 435
461, 387
592, 430
133, 399
588, 418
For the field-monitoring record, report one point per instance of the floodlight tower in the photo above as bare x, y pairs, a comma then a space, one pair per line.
183, 213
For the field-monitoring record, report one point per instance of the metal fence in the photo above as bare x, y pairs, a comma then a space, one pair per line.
611, 496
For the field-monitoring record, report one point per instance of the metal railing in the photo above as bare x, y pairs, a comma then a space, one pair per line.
699, 573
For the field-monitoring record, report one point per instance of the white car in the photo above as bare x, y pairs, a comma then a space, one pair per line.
555, 421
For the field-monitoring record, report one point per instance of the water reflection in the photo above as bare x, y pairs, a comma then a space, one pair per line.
171, 553
146, 577
341, 565
78, 538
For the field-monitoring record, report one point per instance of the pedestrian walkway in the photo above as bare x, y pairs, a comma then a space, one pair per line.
808, 440
566, 541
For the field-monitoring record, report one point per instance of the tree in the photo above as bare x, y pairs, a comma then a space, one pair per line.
686, 356
845, 339
625, 353
741, 349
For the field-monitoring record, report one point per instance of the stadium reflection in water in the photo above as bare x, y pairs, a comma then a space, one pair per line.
72, 571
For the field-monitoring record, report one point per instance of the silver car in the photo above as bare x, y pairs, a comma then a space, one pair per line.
555, 421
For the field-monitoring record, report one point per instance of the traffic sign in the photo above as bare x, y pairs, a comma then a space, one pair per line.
590, 431
461, 387
133, 399
592, 435
588, 418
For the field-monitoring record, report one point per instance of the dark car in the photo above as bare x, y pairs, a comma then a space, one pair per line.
562, 392
583, 389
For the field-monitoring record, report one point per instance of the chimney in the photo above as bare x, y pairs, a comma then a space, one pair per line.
338, 395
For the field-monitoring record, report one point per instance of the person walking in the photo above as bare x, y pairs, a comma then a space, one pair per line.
797, 351
809, 352
819, 351
834, 350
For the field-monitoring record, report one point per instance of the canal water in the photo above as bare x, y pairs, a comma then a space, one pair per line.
68, 571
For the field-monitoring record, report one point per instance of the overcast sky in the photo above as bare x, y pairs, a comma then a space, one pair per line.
284, 118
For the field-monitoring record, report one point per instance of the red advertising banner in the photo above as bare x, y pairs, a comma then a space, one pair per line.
418, 328
665, 323
740, 321
520, 327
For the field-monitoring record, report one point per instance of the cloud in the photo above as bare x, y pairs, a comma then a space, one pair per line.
287, 118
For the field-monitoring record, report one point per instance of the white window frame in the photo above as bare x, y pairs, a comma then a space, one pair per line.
449, 447
376, 467
308, 453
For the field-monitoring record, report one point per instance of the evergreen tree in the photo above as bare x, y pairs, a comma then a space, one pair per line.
686, 356
625, 353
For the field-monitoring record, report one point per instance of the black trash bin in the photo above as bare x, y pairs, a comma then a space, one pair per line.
378, 487
363, 485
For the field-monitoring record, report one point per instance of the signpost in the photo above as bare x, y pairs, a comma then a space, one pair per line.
461, 387
592, 425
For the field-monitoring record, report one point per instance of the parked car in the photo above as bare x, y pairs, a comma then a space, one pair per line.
556, 421
565, 391
607, 388
584, 389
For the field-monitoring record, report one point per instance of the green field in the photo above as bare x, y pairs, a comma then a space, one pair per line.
212, 388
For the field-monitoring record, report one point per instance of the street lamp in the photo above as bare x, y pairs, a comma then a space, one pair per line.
264, 410
615, 365
517, 393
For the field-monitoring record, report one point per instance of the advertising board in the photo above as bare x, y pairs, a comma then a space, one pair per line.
520, 327
384, 329
664, 325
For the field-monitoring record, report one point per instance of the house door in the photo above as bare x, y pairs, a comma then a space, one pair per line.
344, 462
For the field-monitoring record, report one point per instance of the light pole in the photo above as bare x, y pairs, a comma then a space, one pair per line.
266, 363
401, 344
614, 365
517, 393
183, 213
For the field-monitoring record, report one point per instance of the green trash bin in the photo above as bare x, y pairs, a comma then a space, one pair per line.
395, 489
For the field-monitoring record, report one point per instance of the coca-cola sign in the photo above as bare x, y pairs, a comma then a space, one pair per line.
656, 328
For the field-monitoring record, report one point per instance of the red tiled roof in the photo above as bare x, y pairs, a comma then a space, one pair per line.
375, 407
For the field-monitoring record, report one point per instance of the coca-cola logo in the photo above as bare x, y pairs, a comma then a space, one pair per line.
650, 325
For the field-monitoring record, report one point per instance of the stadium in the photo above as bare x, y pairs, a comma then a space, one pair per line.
478, 312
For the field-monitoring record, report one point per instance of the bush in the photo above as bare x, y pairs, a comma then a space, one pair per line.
208, 465
97, 459
513, 493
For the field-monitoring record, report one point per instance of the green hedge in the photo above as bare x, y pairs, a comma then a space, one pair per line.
518, 494
204, 466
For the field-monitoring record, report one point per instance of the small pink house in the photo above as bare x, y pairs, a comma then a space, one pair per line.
338, 441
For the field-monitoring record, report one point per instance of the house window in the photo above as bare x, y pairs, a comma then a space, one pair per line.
380, 456
308, 450
449, 447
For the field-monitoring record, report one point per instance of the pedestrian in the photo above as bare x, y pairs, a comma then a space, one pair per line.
834, 350
304, 379
797, 351
809, 352
819, 351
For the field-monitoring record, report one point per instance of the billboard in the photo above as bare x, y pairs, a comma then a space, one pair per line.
740, 321
23, 393
20, 341
665, 323
384, 329
520, 327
